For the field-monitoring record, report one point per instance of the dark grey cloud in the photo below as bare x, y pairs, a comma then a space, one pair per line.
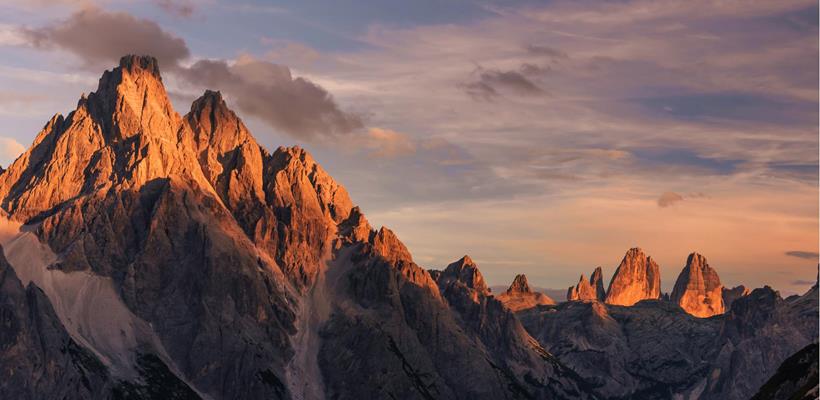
490, 83
100, 38
534, 69
807, 255
177, 8
803, 282
269, 92
546, 51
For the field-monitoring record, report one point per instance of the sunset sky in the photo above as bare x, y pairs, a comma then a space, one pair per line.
544, 138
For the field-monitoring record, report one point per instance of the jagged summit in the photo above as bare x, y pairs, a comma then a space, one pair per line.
637, 278
698, 289
519, 296
730, 295
593, 289
465, 271
519, 285
589, 290
136, 63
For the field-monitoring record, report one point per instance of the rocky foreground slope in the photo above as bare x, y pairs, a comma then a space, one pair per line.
240, 273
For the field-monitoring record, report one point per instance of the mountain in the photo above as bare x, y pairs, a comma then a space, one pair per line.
637, 278
519, 296
656, 350
698, 290
796, 378
556, 295
730, 295
166, 255
151, 255
588, 290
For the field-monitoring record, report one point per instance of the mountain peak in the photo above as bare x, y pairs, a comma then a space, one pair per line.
520, 285
466, 260
637, 278
592, 289
209, 97
698, 289
135, 64
521, 297
466, 271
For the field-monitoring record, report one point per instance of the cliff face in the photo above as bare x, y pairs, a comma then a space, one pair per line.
698, 289
249, 274
637, 278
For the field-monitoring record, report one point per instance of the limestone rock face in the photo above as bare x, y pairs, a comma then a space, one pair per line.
730, 295
519, 296
637, 278
592, 289
698, 289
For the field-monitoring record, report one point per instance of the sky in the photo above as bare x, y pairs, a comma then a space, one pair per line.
544, 138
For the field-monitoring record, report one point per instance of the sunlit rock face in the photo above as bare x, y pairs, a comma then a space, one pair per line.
637, 278
698, 289
592, 289
519, 296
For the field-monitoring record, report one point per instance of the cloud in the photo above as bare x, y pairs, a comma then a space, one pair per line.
177, 8
262, 89
10, 149
803, 282
671, 198
546, 51
100, 38
389, 143
491, 82
807, 255
668, 199
269, 91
